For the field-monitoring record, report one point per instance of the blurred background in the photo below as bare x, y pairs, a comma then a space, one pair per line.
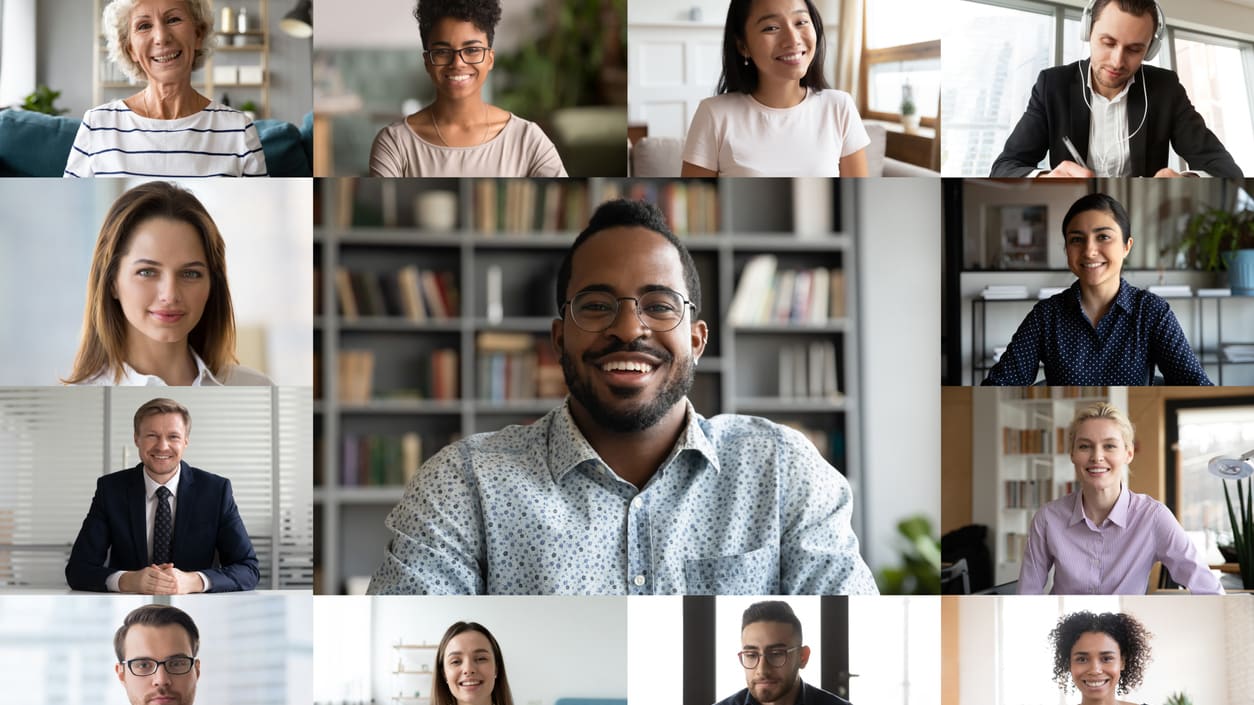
559, 63
46, 243
255, 649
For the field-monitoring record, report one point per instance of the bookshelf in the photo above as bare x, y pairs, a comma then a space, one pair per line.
1020, 460
368, 226
239, 65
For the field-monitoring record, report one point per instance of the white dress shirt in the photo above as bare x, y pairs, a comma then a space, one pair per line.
233, 376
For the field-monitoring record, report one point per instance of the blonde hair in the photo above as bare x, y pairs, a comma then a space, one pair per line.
115, 24
1102, 410
102, 348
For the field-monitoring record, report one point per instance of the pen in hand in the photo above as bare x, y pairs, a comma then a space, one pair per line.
1074, 153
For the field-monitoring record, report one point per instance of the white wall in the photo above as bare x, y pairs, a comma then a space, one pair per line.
390, 24
899, 255
552, 647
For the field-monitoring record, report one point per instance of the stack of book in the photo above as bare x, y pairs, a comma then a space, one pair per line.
411, 293
514, 366
1004, 291
1168, 291
808, 371
518, 206
1029, 440
443, 378
1027, 494
379, 460
766, 294
691, 207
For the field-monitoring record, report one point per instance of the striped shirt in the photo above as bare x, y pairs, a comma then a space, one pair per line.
115, 141
1114, 558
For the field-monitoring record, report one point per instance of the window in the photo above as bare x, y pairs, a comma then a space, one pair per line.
1217, 75
901, 57
894, 656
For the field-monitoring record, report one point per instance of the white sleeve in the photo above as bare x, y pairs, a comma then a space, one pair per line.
255, 158
78, 164
850, 125
701, 147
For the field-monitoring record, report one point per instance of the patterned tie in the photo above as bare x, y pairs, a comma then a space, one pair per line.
162, 528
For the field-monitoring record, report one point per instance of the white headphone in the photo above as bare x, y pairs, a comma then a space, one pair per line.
1086, 28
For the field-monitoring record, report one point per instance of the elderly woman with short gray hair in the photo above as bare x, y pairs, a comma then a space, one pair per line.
167, 129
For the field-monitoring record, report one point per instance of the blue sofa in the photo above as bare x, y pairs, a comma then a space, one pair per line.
34, 144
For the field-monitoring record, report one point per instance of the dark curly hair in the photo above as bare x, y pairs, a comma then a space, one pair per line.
1129, 634
484, 14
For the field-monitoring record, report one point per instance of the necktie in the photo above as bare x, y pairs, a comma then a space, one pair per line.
162, 528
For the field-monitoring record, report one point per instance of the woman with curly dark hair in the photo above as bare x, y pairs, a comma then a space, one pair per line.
460, 134
1102, 655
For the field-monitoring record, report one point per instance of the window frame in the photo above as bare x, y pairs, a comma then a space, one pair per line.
903, 52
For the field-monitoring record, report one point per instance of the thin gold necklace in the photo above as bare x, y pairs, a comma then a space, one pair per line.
436, 125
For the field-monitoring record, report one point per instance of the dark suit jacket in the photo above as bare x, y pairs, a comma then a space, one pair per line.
206, 521
1057, 109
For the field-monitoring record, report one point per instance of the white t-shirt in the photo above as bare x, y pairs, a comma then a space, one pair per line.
115, 141
736, 135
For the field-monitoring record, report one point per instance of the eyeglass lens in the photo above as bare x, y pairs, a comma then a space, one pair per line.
470, 55
774, 658
596, 310
175, 665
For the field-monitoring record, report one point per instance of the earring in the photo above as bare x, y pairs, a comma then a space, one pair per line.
746, 61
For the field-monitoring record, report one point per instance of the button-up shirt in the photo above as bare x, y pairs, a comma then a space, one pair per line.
232, 376
1137, 334
741, 505
808, 695
1114, 558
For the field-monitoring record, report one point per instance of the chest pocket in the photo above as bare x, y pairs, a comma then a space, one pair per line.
752, 573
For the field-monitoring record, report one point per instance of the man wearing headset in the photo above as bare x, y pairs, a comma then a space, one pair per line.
1110, 115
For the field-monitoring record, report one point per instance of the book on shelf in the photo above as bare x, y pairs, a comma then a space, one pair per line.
1015, 544
443, 378
519, 206
766, 294
809, 371
1072, 392
377, 460
1021, 441
356, 376
515, 366
1027, 494
410, 293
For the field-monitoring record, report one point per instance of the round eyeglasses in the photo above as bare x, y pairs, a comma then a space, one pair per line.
444, 57
774, 657
175, 665
660, 310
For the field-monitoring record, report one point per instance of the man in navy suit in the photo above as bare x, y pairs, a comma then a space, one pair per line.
154, 529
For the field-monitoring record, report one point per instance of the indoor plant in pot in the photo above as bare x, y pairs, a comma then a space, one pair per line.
1218, 239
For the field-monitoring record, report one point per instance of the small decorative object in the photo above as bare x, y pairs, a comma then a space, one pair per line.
694, 13
436, 210
227, 24
909, 113
249, 108
1178, 699
241, 26
43, 100
1238, 471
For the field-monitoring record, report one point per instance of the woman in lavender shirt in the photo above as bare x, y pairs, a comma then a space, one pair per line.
1105, 538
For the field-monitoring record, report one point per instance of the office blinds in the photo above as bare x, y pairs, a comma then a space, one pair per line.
55, 443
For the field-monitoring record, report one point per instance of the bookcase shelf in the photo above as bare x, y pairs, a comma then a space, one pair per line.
1020, 460
366, 227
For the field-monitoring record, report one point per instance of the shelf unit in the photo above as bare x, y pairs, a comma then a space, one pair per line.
1019, 462
737, 374
1207, 336
412, 673
231, 50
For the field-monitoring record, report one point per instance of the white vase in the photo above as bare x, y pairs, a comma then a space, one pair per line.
910, 123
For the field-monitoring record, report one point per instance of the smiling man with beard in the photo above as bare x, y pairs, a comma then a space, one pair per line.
625, 488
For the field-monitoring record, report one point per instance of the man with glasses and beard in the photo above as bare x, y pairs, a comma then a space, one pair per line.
156, 648
625, 488
772, 655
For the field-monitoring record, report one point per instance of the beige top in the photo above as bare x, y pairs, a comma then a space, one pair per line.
519, 149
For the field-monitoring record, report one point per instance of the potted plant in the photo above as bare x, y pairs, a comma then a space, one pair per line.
919, 572
1241, 519
909, 115
249, 108
1178, 699
43, 101
1218, 239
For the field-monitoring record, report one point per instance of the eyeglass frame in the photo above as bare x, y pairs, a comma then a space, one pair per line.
762, 655
427, 55
160, 664
618, 307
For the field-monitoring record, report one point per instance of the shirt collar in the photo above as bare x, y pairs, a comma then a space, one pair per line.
151, 485
204, 376
568, 448
1125, 298
1118, 96
1118, 513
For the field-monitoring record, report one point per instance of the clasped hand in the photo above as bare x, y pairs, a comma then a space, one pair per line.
162, 579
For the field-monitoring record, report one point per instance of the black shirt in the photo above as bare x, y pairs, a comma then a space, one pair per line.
809, 695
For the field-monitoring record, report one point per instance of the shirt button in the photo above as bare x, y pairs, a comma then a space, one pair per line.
638, 580
637, 503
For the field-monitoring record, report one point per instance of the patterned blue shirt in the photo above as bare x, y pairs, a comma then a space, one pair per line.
1137, 334
741, 505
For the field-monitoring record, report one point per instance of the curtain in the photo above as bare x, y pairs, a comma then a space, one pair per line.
846, 46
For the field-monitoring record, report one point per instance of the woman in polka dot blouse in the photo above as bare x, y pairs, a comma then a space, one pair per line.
1101, 330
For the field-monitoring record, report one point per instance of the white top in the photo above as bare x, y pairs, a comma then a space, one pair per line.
233, 376
520, 149
115, 141
1108, 133
736, 135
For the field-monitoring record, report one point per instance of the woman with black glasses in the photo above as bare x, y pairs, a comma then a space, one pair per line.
459, 134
